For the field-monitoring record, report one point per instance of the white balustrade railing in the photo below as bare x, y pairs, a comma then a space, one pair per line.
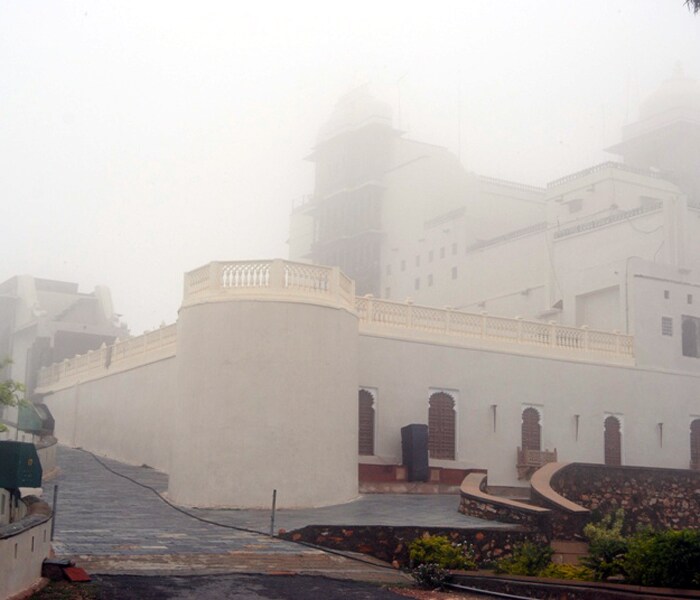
222, 279
278, 276
377, 314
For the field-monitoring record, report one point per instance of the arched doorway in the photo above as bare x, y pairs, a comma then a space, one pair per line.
365, 423
441, 426
695, 445
613, 441
689, 337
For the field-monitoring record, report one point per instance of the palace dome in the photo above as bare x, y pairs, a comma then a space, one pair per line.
677, 93
354, 109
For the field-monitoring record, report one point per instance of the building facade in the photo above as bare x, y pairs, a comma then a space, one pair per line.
565, 252
523, 325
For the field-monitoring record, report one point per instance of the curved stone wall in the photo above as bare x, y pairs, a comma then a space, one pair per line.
267, 399
649, 497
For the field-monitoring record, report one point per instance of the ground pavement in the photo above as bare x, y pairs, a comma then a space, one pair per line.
111, 525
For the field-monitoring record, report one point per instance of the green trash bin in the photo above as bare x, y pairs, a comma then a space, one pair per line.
19, 465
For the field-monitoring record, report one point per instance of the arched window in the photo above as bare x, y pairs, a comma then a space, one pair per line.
695, 445
689, 336
531, 430
441, 426
613, 441
366, 423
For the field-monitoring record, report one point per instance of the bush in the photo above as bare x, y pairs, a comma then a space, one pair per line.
664, 559
577, 572
606, 546
430, 576
527, 559
438, 550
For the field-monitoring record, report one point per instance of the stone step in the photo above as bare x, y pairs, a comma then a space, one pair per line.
521, 494
404, 487
568, 552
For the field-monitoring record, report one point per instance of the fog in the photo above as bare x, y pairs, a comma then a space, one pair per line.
139, 140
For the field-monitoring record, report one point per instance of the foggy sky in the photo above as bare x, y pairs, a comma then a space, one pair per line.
142, 139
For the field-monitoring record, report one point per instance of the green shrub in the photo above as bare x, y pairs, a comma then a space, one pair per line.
430, 576
527, 559
664, 559
438, 550
577, 572
606, 546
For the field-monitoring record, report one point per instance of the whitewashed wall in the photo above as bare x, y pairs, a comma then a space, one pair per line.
404, 374
262, 393
21, 557
126, 416
267, 400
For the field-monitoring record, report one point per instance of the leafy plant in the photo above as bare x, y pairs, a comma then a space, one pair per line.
576, 572
664, 559
528, 558
606, 546
438, 550
11, 392
430, 576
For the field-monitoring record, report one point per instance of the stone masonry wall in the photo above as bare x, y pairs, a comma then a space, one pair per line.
491, 511
658, 498
391, 544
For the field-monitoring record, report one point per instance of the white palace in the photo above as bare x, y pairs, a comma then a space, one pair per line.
542, 324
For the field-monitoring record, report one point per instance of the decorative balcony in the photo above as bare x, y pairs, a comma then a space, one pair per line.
221, 281
531, 460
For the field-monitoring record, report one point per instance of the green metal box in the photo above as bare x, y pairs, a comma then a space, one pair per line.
19, 465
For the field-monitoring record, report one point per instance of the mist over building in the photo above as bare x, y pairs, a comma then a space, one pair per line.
520, 325
405, 219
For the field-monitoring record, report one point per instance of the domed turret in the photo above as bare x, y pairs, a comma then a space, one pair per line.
679, 93
353, 110
667, 135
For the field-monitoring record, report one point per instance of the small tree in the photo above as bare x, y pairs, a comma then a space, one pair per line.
11, 392
606, 546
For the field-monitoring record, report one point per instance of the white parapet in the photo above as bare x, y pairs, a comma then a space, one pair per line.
279, 280
453, 327
268, 279
122, 355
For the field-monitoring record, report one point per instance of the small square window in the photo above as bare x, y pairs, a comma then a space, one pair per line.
454, 272
666, 326
575, 205
416, 283
667, 294
430, 279
690, 298
442, 252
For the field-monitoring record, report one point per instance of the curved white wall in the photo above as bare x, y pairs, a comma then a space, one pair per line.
267, 399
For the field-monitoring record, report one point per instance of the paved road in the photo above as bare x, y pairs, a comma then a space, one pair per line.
238, 587
114, 526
